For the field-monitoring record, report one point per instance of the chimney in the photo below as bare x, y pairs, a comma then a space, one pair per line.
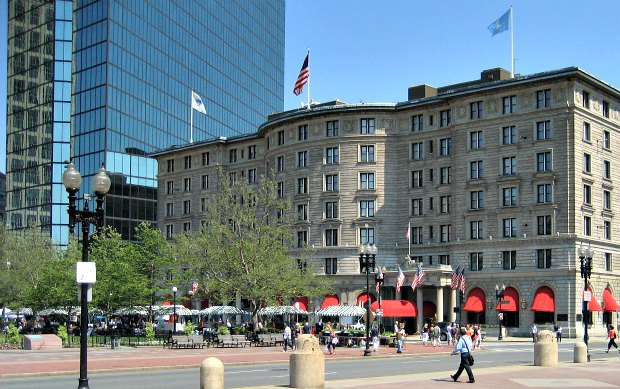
421, 91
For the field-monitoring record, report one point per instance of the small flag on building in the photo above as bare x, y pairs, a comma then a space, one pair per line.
408, 233
455, 278
462, 280
500, 25
419, 278
400, 280
379, 279
197, 103
304, 74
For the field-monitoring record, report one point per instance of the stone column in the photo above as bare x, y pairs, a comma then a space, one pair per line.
440, 303
452, 305
420, 304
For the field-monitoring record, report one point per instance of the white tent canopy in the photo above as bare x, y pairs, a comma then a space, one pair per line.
281, 310
342, 310
222, 310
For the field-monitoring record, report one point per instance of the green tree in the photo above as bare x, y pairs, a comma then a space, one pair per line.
26, 256
245, 247
119, 283
155, 260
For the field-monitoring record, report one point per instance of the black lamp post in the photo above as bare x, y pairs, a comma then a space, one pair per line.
499, 296
379, 278
174, 309
72, 179
367, 264
585, 256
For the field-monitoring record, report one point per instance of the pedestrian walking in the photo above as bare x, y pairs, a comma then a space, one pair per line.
611, 334
425, 334
463, 347
400, 339
449, 333
374, 332
534, 332
286, 337
332, 341
436, 336
558, 334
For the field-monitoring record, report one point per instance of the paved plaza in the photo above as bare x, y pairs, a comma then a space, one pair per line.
601, 373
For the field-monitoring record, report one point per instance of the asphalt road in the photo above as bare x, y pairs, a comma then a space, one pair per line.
239, 376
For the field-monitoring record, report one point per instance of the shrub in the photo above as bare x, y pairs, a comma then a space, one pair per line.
149, 332
222, 330
189, 328
13, 337
62, 334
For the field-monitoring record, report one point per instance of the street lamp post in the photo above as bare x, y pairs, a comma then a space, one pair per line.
174, 309
585, 257
367, 257
499, 297
72, 179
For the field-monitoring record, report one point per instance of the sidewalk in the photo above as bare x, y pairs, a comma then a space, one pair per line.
600, 373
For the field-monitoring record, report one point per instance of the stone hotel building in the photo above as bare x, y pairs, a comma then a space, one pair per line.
504, 177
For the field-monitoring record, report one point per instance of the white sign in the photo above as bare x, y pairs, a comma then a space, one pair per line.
587, 295
86, 272
379, 312
501, 316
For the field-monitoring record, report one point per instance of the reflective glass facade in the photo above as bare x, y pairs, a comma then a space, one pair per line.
134, 66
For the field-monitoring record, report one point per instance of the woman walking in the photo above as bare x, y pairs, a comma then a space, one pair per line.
611, 334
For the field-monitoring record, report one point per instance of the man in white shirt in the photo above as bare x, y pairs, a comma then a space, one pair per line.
463, 347
287, 336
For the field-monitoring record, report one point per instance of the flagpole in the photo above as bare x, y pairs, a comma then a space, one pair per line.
512, 45
308, 91
191, 118
409, 230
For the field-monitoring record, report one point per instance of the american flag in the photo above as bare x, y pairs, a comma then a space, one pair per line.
379, 279
419, 278
408, 233
304, 74
400, 280
455, 278
462, 280
194, 287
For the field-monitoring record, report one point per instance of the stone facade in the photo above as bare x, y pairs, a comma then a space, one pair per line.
504, 178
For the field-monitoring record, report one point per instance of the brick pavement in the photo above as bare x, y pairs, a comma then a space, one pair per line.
599, 373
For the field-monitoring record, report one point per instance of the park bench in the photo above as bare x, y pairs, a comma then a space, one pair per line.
184, 341
242, 340
265, 340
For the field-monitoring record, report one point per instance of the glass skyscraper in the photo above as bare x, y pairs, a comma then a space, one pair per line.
110, 81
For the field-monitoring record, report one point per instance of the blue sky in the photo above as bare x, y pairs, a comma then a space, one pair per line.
372, 51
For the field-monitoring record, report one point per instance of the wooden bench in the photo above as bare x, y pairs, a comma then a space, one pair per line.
265, 340
242, 340
184, 341
197, 341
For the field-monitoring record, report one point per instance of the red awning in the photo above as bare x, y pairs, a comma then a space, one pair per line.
593, 305
511, 301
301, 302
429, 309
396, 308
330, 300
361, 299
544, 300
475, 301
610, 303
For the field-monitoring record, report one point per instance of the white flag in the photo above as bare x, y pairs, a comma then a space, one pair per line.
197, 103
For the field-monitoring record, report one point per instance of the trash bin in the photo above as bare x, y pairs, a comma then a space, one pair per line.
116, 342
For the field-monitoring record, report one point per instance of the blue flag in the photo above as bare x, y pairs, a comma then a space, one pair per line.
500, 25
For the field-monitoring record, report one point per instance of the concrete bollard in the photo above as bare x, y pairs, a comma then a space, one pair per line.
212, 374
546, 350
307, 363
581, 353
